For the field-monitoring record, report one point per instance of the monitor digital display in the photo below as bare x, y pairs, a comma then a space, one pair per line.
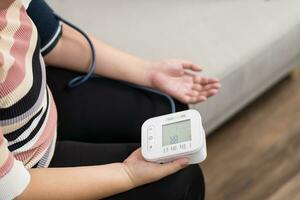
177, 132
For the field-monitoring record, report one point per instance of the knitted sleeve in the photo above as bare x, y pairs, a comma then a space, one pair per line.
14, 178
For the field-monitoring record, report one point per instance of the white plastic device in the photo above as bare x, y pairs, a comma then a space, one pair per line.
172, 136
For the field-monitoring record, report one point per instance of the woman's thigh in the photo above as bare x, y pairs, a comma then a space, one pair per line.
102, 110
188, 184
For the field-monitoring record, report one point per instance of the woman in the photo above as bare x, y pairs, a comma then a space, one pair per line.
98, 122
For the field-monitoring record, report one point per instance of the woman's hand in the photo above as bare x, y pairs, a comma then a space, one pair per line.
176, 78
141, 172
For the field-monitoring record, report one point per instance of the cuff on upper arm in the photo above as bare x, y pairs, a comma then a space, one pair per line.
48, 26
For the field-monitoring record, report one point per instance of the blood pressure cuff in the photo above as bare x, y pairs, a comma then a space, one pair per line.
48, 26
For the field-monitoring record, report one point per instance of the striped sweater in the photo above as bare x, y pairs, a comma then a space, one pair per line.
27, 110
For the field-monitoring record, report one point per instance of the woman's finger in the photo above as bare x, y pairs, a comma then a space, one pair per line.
201, 99
212, 80
201, 88
192, 93
173, 167
191, 66
212, 93
196, 97
205, 80
211, 86
197, 87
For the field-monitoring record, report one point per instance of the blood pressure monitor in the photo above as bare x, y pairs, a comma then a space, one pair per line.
169, 137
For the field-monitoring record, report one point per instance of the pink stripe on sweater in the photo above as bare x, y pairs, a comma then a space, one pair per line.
19, 50
4, 169
1, 59
33, 153
45, 140
1, 137
50, 127
3, 21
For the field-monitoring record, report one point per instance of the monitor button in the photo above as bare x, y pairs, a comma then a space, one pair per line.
150, 129
150, 147
150, 143
150, 134
150, 137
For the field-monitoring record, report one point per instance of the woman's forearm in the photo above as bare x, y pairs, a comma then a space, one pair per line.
73, 52
94, 182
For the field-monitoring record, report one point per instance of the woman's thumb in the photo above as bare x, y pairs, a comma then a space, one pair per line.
172, 167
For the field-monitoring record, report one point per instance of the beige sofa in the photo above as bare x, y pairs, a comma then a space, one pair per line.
248, 44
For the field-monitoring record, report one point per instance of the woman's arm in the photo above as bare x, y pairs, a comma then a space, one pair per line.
73, 52
77, 183
96, 182
173, 77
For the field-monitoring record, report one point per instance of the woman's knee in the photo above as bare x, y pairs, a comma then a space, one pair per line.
193, 182
187, 184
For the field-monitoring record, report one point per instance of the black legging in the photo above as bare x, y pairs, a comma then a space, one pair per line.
99, 123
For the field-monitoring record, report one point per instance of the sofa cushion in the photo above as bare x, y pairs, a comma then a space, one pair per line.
248, 44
